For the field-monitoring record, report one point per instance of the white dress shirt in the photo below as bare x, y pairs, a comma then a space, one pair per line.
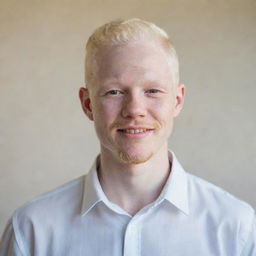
191, 217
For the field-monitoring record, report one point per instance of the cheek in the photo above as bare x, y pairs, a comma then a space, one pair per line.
106, 111
162, 109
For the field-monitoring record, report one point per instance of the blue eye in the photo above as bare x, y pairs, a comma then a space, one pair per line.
153, 91
114, 92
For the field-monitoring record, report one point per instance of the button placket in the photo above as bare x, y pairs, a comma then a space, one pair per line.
132, 236
132, 240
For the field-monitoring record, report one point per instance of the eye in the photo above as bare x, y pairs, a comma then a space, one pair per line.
113, 92
153, 91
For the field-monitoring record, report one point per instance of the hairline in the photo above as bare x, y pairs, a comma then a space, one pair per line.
105, 38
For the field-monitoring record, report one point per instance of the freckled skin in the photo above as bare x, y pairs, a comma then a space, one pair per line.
133, 88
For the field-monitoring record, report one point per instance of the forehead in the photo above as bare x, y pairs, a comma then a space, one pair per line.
139, 60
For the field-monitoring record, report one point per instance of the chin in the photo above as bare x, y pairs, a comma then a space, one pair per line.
134, 158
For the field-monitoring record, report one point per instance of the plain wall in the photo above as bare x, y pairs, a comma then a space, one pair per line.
45, 139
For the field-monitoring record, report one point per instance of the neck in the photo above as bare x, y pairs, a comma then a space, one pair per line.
133, 186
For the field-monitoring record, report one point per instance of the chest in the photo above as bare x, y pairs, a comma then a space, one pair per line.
159, 235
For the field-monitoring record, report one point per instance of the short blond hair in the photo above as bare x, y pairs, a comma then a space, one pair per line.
121, 32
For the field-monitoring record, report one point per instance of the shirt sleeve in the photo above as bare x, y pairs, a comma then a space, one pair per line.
8, 244
250, 245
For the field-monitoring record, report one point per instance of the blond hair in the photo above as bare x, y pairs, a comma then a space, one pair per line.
121, 32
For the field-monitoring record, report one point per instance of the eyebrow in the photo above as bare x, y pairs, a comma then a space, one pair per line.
110, 81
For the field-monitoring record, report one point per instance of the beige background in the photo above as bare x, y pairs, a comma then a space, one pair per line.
45, 140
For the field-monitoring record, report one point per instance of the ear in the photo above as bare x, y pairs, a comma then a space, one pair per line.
179, 99
86, 102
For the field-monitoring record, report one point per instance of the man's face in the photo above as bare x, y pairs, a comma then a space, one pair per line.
133, 101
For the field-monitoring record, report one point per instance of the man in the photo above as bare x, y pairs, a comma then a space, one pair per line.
136, 199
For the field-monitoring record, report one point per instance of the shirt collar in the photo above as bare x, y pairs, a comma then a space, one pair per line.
176, 188
174, 191
92, 193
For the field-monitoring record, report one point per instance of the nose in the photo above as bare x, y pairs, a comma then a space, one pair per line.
133, 107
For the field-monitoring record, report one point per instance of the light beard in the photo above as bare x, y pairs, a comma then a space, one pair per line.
127, 159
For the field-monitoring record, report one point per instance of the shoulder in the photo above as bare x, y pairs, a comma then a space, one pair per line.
217, 198
36, 220
66, 197
220, 208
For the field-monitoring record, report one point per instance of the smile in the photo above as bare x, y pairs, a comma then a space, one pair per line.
134, 131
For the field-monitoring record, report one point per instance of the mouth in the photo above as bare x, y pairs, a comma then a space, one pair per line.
134, 131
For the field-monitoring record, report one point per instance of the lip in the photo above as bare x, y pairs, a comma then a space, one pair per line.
136, 127
141, 132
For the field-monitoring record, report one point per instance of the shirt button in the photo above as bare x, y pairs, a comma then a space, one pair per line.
132, 228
